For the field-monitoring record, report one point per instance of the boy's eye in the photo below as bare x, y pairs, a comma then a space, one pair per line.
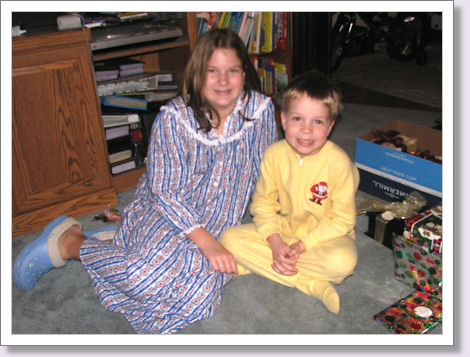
318, 121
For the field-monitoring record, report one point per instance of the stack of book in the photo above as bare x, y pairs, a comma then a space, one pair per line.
136, 91
272, 75
121, 149
130, 101
128, 135
260, 31
113, 69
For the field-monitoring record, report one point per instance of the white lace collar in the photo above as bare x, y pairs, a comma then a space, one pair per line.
214, 138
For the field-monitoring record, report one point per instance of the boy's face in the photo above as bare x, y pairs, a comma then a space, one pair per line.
306, 125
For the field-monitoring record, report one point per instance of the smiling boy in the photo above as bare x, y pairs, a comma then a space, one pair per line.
304, 204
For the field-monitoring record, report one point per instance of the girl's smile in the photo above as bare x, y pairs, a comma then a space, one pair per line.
224, 81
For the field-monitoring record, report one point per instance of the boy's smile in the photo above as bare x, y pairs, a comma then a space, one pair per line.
306, 125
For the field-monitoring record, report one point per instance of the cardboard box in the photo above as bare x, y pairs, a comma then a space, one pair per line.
391, 174
382, 230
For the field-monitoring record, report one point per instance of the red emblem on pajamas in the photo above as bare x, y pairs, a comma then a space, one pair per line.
319, 192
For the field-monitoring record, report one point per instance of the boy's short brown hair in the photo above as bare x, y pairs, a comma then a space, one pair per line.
316, 85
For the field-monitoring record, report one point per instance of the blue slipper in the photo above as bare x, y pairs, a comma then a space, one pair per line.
42, 254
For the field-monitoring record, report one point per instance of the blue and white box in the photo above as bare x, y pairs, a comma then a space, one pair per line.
390, 174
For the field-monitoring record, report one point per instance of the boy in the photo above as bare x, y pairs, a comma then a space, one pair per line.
304, 204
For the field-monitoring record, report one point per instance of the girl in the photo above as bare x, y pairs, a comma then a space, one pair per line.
166, 268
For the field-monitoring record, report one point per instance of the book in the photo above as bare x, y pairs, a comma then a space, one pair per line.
269, 72
417, 313
242, 25
164, 77
94, 20
120, 156
267, 45
116, 131
139, 142
227, 18
221, 20
233, 21
124, 102
123, 166
247, 33
111, 120
126, 16
282, 79
255, 40
130, 72
283, 32
138, 82
105, 72
124, 66
119, 144
160, 96
124, 63
167, 86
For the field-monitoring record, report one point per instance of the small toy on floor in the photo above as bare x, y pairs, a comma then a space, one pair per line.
109, 215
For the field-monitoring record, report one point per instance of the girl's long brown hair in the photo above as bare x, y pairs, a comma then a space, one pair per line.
197, 66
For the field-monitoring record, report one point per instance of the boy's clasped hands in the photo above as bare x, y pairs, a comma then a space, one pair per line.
284, 255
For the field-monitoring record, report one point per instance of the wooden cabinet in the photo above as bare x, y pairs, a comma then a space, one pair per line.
59, 158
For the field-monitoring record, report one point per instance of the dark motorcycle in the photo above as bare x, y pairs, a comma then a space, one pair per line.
404, 36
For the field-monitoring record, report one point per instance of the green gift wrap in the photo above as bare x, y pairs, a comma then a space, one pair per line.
417, 266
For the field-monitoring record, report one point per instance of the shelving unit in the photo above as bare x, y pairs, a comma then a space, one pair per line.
168, 55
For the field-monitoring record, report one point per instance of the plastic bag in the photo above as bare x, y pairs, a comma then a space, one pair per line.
409, 207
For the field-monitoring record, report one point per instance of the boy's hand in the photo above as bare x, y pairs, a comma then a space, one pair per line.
296, 249
282, 262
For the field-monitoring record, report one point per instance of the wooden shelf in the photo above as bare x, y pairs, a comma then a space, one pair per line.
140, 49
127, 180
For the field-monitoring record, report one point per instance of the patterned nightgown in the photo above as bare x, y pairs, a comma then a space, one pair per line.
153, 274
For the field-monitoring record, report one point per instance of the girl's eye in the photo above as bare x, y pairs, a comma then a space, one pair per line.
211, 70
296, 118
235, 70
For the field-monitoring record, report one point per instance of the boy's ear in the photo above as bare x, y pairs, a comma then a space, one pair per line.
332, 124
283, 120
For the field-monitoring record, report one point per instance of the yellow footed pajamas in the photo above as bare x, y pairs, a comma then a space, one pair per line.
326, 262
310, 198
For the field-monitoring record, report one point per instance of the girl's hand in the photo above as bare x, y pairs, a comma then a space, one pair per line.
282, 263
219, 257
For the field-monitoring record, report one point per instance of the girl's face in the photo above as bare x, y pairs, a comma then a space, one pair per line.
306, 125
224, 81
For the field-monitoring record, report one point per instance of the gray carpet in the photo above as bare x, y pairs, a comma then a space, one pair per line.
63, 301
403, 79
